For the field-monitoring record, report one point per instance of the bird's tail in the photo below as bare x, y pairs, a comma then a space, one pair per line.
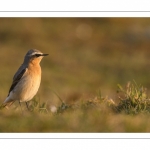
6, 104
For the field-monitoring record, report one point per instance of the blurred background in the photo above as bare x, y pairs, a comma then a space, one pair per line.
86, 55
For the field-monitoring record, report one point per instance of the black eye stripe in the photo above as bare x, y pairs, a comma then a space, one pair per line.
37, 55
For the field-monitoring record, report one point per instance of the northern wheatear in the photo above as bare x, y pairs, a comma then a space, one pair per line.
27, 79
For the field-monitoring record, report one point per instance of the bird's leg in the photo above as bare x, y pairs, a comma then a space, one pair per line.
27, 106
20, 106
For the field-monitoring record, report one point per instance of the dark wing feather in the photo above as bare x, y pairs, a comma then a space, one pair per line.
16, 80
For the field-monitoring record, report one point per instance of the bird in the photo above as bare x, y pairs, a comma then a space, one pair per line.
26, 80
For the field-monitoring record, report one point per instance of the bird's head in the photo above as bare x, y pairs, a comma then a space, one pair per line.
34, 56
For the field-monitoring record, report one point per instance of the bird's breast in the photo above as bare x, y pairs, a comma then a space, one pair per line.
28, 85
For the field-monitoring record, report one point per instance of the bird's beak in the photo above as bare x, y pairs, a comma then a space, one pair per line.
44, 54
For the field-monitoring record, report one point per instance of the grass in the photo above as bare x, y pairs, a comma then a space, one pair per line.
85, 55
135, 100
97, 114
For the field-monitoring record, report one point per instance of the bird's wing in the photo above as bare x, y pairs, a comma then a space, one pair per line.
22, 67
17, 79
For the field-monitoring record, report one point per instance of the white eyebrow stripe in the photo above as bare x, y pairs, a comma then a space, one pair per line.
35, 53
